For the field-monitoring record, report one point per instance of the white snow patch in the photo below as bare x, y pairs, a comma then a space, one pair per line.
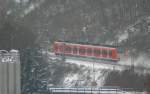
123, 36
14, 51
25, 1
9, 12
21, 1
70, 79
100, 77
18, 1
93, 64
141, 63
142, 60
85, 78
31, 7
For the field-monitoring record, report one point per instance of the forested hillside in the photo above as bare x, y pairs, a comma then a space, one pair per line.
97, 21
32, 25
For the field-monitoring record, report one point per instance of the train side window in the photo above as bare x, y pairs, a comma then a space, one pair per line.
96, 52
61, 48
104, 52
81, 50
99, 51
75, 49
68, 49
110, 52
89, 50
56, 47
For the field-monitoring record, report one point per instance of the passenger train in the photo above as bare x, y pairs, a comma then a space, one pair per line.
85, 51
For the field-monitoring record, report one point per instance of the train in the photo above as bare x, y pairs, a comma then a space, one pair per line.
85, 50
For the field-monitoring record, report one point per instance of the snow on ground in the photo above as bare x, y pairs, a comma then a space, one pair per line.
17, 1
21, 1
70, 80
90, 72
85, 78
122, 36
141, 63
142, 60
31, 7
96, 65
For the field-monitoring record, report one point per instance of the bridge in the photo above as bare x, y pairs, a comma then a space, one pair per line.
104, 90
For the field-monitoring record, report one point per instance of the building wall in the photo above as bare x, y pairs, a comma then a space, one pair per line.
10, 72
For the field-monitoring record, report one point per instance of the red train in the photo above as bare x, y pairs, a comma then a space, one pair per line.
82, 50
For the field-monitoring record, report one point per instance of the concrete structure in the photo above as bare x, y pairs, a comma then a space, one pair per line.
10, 72
86, 91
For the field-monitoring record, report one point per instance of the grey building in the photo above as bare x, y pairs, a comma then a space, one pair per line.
10, 72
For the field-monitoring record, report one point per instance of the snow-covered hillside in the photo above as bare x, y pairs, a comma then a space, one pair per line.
76, 73
38, 23
80, 75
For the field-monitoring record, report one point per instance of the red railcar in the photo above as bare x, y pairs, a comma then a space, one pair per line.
82, 50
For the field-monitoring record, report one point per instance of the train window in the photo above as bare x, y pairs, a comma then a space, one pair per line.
99, 51
68, 49
104, 52
81, 50
96, 52
56, 47
61, 48
75, 49
89, 50
110, 52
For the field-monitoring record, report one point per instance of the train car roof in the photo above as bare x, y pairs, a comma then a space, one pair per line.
80, 43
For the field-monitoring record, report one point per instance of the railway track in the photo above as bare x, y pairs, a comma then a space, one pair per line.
98, 64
